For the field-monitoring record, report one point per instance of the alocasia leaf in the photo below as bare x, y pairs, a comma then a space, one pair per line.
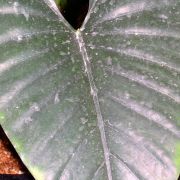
99, 103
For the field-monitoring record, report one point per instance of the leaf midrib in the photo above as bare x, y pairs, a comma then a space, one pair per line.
93, 89
94, 94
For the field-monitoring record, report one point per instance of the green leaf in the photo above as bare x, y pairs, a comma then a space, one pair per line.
98, 103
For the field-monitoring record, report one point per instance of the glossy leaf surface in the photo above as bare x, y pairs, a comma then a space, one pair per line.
98, 103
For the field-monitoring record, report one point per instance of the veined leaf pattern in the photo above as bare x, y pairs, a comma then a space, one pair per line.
101, 102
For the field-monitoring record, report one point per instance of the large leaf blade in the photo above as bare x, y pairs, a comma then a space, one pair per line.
116, 117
